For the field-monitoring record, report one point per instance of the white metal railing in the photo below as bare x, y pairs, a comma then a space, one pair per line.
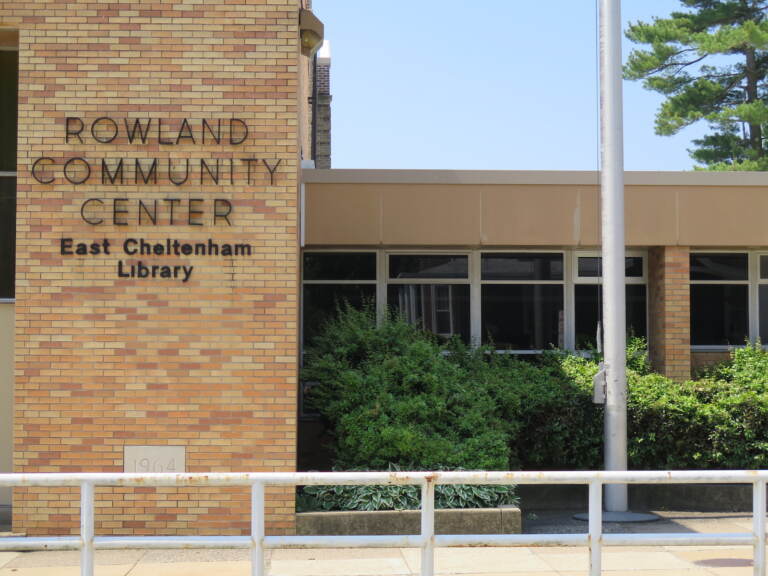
427, 540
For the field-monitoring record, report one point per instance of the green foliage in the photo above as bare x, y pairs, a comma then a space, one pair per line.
363, 498
372, 498
710, 63
637, 356
748, 367
392, 395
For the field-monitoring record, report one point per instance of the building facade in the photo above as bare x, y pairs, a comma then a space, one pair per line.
513, 258
154, 165
167, 250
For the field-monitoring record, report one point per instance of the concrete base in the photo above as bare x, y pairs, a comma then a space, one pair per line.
620, 517
505, 520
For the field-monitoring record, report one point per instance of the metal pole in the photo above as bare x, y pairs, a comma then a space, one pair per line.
428, 527
595, 512
257, 529
86, 528
612, 195
758, 526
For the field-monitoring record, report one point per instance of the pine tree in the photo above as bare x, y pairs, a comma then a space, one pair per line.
710, 63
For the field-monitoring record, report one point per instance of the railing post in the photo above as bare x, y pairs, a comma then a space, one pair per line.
86, 529
758, 526
257, 529
428, 527
595, 527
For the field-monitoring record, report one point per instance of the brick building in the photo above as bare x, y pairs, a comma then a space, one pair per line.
152, 152
174, 248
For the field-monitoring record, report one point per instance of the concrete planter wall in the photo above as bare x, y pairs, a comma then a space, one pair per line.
504, 520
698, 497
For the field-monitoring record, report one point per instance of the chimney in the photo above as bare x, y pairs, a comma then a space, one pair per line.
322, 140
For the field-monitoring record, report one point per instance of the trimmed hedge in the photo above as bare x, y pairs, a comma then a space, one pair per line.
393, 395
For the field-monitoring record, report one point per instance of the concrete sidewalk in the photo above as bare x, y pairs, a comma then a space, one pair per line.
666, 561
628, 561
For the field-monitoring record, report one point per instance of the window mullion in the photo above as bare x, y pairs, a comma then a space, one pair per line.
475, 299
753, 303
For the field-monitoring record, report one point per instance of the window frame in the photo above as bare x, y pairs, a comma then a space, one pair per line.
753, 271
476, 321
382, 294
598, 280
475, 282
754, 296
303, 282
11, 173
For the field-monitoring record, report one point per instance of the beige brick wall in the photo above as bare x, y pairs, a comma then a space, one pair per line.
103, 361
669, 298
703, 360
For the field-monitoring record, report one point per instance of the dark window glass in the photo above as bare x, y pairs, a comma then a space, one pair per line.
719, 267
764, 313
523, 316
322, 301
428, 266
7, 236
591, 266
588, 300
763, 267
339, 266
439, 308
9, 81
522, 266
719, 314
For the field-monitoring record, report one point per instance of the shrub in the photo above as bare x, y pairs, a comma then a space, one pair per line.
748, 366
372, 498
393, 395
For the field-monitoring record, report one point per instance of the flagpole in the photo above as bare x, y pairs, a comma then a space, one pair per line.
612, 196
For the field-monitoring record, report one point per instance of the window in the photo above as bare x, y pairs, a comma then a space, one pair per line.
331, 279
7, 236
431, 291
762, 289
719, 298
588, 298
522, 300
9, 68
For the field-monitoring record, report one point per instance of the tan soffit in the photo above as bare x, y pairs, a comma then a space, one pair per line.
554, 177
343, 214
530, 215
470, 208
723, 217
651, 215
431, 214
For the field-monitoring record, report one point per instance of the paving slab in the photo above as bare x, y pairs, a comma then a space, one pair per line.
370, 566
111, 570
692, 572
333, 554
190, 556
479, 560
6, 557
67, 558
220, 568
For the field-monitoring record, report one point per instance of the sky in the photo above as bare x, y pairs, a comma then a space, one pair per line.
482, 85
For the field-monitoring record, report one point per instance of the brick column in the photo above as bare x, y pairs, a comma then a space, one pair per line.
189, 343
669, 309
